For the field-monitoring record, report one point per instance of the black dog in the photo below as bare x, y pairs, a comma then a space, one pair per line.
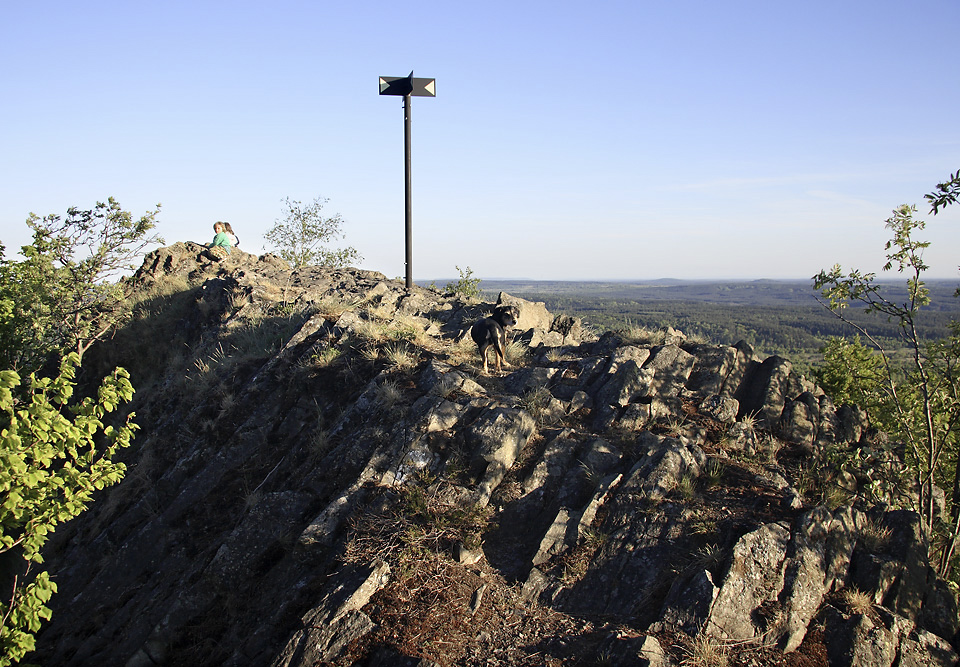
492, 332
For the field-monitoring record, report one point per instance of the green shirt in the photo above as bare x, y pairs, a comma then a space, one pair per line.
221, 239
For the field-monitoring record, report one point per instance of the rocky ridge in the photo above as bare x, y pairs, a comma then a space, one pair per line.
324, 477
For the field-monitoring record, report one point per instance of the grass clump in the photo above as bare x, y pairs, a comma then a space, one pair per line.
857, 602
537, 402
400, 357
389, 394
716, 469
413, 525
516, 353
705, 651
875, 537
687, 487
325, 357
637, 335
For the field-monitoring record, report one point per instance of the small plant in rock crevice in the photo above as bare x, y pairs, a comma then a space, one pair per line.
466, 287
703, 526
874, 536
325, 357
705, 651
554, 355
707, 557
591, 474
537, 401
714, 472
516, 353
574, 563
675, 425
749, 420
400, 357
390, 394
857, 602
415, 524
446, 388
687, 486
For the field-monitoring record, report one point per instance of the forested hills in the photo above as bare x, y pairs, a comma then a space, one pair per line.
775, 316
740, 293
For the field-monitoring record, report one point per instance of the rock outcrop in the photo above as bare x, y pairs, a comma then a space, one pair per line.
323, 476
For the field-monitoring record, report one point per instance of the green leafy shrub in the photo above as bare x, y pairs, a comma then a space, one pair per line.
67, 293
301, 235
54, 455
916, 401
467, 287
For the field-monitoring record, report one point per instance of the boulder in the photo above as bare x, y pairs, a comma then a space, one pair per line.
721, 408
765, 389
671, 367
533, 314
755, 579
665, 462
820, 553
688, 604
337, 620
498, 435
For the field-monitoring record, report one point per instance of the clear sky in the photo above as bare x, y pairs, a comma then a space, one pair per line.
568, 140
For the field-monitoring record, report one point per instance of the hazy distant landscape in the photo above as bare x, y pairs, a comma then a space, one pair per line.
775, 316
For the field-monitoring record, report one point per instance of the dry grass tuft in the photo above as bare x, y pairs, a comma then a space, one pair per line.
749, 420
706, 651
463, 350
554, 355
446, 387
537, 401
715, 471
325, 357
857, 601
414, 528
400, 357
516, 353
390, 394
875, 537
636, 335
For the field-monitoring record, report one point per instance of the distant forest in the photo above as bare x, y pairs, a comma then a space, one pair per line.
775, 317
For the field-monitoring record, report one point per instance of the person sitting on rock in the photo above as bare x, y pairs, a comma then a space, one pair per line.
220, 247
234, 241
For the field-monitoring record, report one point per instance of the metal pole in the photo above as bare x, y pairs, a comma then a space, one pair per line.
408, 197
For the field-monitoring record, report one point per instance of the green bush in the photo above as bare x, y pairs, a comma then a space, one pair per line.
54, 455
466, 287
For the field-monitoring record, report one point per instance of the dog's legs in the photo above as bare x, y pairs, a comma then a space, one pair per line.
502, 352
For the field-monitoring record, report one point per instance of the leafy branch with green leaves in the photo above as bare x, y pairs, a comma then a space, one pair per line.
57, 449
55, 453
945, 194
919, 403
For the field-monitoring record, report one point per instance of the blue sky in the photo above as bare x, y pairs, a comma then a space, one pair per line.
604, 140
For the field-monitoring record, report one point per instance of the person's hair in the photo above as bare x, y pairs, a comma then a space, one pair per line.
227, 228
